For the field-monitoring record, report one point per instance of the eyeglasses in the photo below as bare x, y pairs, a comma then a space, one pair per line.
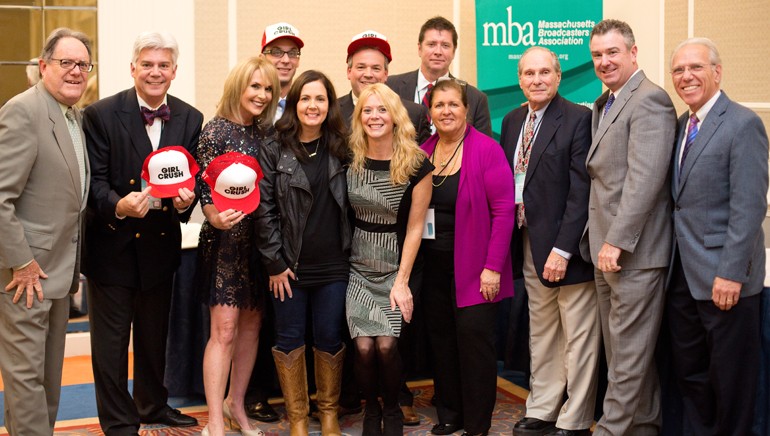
69, 64
278, 53
694, 69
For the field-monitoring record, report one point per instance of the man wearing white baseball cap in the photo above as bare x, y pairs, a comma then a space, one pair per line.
281, 45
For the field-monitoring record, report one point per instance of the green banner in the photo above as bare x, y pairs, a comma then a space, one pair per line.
506, 28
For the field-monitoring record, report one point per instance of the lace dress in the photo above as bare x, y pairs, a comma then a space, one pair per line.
229, 270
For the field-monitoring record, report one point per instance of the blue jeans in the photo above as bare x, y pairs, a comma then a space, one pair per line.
327, 305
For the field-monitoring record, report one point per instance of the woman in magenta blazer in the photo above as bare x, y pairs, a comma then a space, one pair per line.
467, 262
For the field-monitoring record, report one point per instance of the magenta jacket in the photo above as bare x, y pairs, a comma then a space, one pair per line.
485, 214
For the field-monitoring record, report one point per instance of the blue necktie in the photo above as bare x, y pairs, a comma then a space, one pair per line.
692, 131
609, 104
282, 104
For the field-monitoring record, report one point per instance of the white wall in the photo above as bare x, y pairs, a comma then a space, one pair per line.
119, 23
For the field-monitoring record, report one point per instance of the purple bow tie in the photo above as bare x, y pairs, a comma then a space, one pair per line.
149, 115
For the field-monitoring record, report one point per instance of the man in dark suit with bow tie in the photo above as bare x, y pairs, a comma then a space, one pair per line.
133, 242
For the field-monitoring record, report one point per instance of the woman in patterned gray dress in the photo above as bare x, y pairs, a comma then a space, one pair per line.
228, 263
389, 192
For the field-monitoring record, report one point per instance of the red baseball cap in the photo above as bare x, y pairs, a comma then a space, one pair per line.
234, 180
281, 30
370, 38
168, 169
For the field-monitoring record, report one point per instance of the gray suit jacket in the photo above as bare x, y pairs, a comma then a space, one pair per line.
720, 200
628, 161
41, 204
405, 85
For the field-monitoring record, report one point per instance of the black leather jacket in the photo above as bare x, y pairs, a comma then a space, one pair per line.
285, 203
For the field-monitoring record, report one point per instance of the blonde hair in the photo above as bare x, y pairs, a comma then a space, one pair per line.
238, 80
407, 156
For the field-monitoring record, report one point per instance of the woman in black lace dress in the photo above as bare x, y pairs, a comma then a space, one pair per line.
228, 264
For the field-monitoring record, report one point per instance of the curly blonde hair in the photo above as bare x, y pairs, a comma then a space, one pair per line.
407, 156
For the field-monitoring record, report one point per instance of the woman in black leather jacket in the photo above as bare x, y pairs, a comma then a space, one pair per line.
304, 238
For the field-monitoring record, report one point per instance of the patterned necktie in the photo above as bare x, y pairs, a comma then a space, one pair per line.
692, 131
77, 141
149, 115
608, 105
522, 161
426, 99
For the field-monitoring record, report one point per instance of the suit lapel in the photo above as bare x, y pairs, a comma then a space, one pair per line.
681, 127
63, 139
601, 125
132, 121
173, 129
548, 127
517, 121
707, 129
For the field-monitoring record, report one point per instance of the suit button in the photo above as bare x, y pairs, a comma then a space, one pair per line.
678, 207
132, 182
137, 235
163, 233
165, 208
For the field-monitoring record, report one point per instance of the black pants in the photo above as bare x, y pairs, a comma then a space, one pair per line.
112, 312
463, 343
716, 358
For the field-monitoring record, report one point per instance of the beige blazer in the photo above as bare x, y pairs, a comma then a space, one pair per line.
41, 204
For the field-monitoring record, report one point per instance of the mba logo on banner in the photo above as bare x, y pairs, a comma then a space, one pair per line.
506, 28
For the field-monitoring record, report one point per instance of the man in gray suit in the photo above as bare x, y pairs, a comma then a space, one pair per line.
629, 225
42, 190
718, 266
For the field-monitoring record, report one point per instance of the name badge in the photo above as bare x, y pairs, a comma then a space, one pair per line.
155, 202
429, 229
519, 187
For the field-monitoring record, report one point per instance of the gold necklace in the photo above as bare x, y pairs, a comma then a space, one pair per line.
315, 152
451, 159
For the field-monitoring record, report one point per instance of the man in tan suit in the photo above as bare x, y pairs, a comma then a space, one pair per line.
42, 190
629, 226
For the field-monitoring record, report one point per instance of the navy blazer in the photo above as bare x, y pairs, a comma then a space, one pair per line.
131, 252
556, 186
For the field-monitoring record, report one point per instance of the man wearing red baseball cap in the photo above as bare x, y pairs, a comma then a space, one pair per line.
368, 59
281, 45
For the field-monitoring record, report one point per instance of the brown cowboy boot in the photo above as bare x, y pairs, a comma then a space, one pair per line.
293, 378
328, 376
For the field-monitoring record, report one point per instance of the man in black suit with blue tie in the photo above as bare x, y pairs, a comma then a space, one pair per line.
133, 241
545, 143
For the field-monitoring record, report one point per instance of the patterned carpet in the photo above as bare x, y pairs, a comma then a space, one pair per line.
508, 410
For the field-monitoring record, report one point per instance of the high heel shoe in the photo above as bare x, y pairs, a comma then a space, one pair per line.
228, 415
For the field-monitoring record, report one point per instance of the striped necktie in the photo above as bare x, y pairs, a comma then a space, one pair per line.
426, 99
522, 162
608, 105
692, 132
77, 141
